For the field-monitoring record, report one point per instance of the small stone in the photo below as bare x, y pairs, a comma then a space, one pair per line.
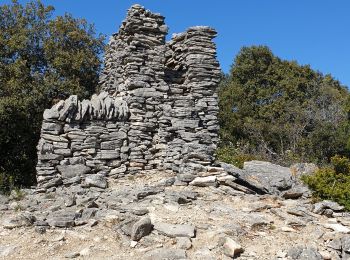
85, 252
166, 253
141, 228
40, 229
21, 220
204, 181
184, 243
338, 228
70, 171
72, 255
96, 180
288, 229
232, 248
133, 243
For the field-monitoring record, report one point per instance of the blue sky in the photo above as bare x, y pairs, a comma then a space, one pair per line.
315, 32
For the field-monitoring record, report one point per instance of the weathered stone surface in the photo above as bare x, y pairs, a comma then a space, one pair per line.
62, 219
165, 253
265, 177
157, 107
300, 253
21, 220
96, 180
320, 207
148, 191
70, 171
205, 181
141, 228
232, 248
175, 230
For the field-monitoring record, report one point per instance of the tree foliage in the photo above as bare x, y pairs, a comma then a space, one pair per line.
282, 111
42, 59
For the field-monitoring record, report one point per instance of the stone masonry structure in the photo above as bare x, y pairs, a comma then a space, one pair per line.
156, 109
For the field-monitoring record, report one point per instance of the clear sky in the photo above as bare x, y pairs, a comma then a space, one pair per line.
315, 32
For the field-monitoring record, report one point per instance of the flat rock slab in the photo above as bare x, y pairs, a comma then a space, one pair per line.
265, 177
204, 181
96, 180
21, 220
70, 171
171, 230
164, 253
7, 250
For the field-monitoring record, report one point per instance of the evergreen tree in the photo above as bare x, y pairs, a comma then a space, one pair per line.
282, 111
42, 59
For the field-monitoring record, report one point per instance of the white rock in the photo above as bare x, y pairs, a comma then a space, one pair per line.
338, 228
232, 248
204, 181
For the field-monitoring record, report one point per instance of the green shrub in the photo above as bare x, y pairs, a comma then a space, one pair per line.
341, 164
233, 156
332, 182
43, 58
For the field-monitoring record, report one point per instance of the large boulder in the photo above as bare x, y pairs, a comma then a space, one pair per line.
265, 177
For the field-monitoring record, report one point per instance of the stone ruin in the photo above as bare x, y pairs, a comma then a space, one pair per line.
157, 109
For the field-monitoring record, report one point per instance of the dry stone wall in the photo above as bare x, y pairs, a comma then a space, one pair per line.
157, 109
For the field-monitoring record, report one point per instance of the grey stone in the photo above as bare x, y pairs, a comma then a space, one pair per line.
294, 193
70, 171
301, 253
62, 219
148, 191
171, 230
21, 220
165, 253
183, 243
265, 177
320, 207
96, 180
345, 244
204, 181
141, 228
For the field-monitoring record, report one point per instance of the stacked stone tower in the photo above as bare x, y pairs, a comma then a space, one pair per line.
157, 109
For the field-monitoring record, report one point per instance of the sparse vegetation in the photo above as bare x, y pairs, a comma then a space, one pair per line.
332, 182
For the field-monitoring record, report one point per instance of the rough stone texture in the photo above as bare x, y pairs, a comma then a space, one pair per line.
265, 177
175, 230
141, 228
157, 108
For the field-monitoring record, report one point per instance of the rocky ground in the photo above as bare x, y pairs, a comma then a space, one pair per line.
148, 216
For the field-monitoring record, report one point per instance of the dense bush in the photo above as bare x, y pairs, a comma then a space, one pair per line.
42, 59
332, 182
281, 111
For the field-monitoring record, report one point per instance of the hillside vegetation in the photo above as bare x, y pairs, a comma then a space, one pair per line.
42, 59
281, 111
